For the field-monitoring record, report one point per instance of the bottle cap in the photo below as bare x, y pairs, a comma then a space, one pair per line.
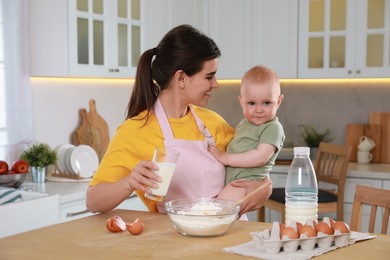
302, 150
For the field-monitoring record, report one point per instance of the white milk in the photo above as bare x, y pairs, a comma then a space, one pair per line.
165, 171
301, 211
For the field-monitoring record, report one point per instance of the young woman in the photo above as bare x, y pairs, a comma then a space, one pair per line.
173, 83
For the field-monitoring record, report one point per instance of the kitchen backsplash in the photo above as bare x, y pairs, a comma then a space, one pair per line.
322, 104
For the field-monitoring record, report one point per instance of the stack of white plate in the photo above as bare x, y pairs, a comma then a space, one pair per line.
81, 160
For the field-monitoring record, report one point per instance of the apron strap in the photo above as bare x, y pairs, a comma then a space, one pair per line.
163, 120
167, 130
205, 132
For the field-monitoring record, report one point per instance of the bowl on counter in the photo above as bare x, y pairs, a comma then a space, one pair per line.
12, 180
202, 217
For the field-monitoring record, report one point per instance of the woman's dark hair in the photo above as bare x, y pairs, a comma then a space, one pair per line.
182, 48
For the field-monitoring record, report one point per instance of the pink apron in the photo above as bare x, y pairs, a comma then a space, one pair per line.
198, 174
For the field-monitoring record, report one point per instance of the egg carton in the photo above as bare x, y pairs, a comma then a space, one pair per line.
263, 241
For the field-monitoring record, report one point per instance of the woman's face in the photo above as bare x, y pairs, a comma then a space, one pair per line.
200, 85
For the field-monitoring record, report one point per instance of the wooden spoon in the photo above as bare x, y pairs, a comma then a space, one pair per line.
251, 194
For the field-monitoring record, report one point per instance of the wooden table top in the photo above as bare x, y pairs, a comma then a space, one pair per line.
87, 238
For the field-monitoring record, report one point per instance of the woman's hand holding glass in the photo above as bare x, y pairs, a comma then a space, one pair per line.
142, 177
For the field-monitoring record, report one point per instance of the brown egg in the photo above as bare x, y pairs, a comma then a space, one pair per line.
324, 228
135, 228
281, 226
341, 226
308, 230
331, 221
289, 232
299, 225
115, 224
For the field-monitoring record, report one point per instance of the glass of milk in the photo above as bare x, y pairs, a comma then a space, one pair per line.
166, 159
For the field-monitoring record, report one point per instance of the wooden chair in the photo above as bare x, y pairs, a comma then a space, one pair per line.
331, 166
376, 198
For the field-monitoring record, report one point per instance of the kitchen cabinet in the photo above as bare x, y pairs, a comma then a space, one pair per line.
77, 38
248, 33
163, 15
76, 209
344, 38
34, 211
258, 32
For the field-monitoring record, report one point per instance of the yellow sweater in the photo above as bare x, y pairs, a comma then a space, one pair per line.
135, 141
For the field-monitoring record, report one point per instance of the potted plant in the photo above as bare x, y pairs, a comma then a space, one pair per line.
313, 138
39, 156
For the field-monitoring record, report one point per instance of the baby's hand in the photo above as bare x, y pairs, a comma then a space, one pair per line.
214, 151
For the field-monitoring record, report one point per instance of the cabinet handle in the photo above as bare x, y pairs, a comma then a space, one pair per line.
349, 71
113, 70
358, 71
72, 214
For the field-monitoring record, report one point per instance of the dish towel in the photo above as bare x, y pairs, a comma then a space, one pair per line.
9, 195
249, 249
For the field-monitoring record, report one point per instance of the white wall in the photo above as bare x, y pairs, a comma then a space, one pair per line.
56, 104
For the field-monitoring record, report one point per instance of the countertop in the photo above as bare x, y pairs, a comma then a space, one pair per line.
355, 170
87, 238
73, 190
67, 191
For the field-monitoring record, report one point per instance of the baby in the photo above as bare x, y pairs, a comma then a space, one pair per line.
259, 136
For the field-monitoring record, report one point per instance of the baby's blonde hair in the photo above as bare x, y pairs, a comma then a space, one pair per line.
260, 74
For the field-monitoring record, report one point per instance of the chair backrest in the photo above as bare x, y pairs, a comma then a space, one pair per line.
376, 198
331, 165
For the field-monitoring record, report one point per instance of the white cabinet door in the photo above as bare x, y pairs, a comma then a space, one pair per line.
105, 37
247, 32
29, 214
86, 38
230, 26
275, 36
49, 50
163, 15
344, 39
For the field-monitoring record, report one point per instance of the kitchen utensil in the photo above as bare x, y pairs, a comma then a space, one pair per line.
364, 157
92, 131
84, 161
253, 193
366, 144
202, 217
353, 134
382, 119
166, 159
12, 180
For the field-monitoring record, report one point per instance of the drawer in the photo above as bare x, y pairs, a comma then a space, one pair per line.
73, 210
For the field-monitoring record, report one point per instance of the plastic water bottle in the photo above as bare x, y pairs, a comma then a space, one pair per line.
301, 188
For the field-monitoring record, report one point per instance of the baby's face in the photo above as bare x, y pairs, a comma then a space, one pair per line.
260, 102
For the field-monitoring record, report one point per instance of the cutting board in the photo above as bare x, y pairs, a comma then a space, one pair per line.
92, 130
383, 119
353, 134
